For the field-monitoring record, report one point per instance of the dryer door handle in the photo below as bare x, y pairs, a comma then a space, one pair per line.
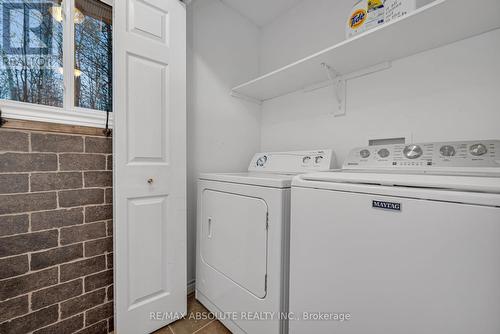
209, 228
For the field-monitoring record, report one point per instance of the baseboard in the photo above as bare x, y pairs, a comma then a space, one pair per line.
191, 286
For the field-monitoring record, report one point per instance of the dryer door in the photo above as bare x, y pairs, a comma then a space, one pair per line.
234, 238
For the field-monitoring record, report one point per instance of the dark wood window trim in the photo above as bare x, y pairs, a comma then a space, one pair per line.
19, 124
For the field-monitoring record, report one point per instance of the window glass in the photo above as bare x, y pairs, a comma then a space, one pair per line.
93, 55
31, 51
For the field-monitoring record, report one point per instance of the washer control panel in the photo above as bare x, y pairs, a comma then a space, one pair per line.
483, 155
293, 162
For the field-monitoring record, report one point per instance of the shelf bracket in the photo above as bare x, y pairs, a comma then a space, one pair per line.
339, 86
245, 97
339, 81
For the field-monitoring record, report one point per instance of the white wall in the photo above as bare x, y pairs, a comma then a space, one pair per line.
308, 27
223, 132
448, 93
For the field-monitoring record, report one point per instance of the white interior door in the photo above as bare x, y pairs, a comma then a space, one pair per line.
150, 163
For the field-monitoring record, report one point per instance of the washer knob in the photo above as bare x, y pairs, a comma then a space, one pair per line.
306, 160
447, 151
478, 150
262, 161
318, 159
364, 153
413, 152
383, 153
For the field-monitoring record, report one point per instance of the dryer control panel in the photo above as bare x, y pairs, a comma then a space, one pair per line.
293, 162
482, 156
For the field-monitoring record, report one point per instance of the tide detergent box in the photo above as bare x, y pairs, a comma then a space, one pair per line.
365, 15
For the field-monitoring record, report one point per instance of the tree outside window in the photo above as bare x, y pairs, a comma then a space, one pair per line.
93, 55
32, 53
33, 46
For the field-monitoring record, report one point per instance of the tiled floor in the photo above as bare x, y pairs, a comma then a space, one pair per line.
189, 325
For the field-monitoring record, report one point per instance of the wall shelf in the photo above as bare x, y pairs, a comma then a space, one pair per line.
440, 23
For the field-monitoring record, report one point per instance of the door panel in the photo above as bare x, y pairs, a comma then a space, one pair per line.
234, 238
148, 113
149, 163
148, 20
148, 221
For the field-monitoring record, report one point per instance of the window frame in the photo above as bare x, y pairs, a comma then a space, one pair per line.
68, 113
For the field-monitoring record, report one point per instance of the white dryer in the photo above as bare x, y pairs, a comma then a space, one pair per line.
242, 240
403, 240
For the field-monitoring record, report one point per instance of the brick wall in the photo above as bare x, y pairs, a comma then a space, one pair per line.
56, 232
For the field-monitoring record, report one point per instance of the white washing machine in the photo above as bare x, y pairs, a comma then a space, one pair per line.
403, 240
242, 240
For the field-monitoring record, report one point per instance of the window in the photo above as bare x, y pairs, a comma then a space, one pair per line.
32, 53
93, 55
53, 62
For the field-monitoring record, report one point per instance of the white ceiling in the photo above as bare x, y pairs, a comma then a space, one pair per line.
261, 12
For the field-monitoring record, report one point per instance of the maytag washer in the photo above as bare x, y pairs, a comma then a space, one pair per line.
242, 240
405, 239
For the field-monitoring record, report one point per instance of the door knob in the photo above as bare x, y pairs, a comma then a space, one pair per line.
150, 181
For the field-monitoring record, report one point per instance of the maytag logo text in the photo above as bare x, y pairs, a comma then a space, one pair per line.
386, 205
